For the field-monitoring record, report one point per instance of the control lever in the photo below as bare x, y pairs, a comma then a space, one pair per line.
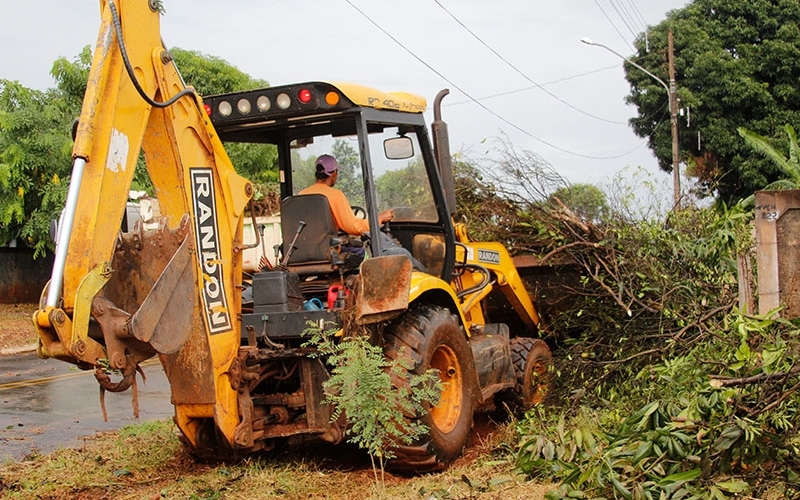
276, 248
284, 263
263, 261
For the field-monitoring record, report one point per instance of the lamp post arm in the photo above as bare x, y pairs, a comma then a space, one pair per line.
659, 80
651, 75
673, 110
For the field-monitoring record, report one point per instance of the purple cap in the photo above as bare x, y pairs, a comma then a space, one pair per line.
328, 163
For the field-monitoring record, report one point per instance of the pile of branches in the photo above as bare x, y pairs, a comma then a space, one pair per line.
267, 200
640, 289
668, 384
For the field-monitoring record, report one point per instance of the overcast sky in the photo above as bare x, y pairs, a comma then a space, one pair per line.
490, 51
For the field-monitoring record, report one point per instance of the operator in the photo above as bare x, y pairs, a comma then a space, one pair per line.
327, 171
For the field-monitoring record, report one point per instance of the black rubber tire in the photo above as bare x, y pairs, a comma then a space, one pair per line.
532, 360
432, 337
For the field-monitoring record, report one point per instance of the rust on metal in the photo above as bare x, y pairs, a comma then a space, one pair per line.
190, 370
383, 289
139, 260
168, 307
115, 327
128, 380
153, 285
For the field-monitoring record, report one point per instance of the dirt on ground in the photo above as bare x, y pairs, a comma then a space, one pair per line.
16, 326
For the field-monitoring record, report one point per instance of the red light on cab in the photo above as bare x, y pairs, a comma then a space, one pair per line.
207, 107
304, 96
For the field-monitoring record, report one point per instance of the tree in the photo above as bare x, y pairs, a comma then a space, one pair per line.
211, 75
585, 200
499, 196
36, 145
405, 187
790, 167
34, 161
349, 179
737, 64
363, 387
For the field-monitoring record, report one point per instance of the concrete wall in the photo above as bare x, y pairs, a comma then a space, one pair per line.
777, 217
22, 278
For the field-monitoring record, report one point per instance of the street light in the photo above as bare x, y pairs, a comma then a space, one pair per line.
673, 110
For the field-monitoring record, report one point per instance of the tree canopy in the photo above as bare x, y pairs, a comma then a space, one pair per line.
36, 145
737, 65
790, 166
586, 201
212, 75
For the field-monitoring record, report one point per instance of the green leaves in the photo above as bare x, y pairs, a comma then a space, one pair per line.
726, 439
362, 388
586, 201
789, 166
36, 144
212, 75
651, 454
34, 158
702, 440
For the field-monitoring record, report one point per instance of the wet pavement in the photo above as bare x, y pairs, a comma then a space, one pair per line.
50, 404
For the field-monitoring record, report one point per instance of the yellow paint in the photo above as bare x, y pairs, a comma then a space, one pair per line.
373, 98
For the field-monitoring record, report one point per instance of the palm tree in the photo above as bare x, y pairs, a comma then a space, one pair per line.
789, 166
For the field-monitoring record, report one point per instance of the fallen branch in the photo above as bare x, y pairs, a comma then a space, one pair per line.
631, 358
702, 320
781, 399
721, 381
562, 248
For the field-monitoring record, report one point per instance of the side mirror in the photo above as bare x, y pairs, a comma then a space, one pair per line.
398, 148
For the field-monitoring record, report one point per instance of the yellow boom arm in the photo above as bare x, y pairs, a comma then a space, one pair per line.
116, 299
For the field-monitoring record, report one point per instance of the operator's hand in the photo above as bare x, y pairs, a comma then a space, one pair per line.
386, 216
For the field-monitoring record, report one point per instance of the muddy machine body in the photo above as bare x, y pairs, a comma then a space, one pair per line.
232, 340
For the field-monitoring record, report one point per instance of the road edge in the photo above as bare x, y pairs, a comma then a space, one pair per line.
8, 351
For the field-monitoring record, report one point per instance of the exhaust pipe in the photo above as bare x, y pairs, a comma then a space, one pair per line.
441, 149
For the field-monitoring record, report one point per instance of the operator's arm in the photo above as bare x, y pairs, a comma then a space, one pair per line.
343, 214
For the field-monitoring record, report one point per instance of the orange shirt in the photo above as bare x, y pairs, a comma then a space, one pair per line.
342, 213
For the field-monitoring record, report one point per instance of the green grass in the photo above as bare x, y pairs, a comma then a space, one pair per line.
148, 461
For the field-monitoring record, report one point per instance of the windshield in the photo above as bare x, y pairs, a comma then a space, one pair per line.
401, 184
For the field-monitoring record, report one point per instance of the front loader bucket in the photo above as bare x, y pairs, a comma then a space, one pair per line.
383, 289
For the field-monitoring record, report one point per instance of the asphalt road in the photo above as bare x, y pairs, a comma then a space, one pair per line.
50, 404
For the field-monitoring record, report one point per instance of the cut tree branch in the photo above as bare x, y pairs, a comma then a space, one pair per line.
755, 379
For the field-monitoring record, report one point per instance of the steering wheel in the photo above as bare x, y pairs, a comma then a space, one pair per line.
359, 212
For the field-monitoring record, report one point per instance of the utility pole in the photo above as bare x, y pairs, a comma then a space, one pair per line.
673, 112
673, 109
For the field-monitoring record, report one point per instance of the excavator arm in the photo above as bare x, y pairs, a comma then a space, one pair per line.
116, 299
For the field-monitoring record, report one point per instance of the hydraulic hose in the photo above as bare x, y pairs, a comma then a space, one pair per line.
129, 67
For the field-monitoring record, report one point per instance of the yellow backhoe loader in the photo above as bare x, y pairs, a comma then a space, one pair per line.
232, 342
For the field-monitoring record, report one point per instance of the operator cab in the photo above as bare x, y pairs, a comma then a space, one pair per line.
385, 159
380, 142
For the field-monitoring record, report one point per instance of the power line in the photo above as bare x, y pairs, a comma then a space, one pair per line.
485, 108
624, 17
519, 71
525, 89
638, 14
613, 25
